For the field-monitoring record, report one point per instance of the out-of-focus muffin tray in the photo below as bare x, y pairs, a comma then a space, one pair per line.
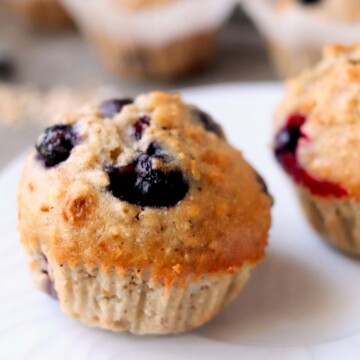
47, 60
53, 58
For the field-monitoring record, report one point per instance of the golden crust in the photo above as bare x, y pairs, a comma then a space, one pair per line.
329, 96
342, 11
67, 212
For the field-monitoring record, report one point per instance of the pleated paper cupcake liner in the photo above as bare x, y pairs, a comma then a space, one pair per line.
132, 301
337, 220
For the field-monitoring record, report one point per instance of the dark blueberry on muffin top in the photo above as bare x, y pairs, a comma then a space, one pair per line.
140, 184
156, 151
140, 126
55, 144
109, 108
309, 2
209, 123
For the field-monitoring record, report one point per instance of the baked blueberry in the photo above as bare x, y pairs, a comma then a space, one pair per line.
140, 184
140, 126
158, 152
209, 123
264, 187
286, 143
7, 68
310, 2
109, 108
55, 144
288, 137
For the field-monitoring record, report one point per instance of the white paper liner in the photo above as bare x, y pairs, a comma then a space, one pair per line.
150, 26
337, 220
132, 301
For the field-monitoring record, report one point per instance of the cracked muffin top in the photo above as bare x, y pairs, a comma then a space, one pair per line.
149, 183
318, 124
342, 11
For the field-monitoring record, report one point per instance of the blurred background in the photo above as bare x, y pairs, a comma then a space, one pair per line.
56, 54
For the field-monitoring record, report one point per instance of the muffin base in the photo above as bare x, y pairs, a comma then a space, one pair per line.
132, 301
289, 62
168, 61
41, 13
337, 220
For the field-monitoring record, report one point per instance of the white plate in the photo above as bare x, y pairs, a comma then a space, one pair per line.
301, 303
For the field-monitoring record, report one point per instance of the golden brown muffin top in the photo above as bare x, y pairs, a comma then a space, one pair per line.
328, 96
83, 210
338, 10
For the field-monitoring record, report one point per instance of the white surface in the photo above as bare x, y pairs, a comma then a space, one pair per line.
301, 303
167, 22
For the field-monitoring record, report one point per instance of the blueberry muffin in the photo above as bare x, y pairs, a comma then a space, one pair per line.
297, 30
47, 14
154, 38
139, 216
317, 143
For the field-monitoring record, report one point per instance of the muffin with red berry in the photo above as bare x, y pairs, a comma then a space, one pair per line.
317, 143
139, 216
47, 14
297, 30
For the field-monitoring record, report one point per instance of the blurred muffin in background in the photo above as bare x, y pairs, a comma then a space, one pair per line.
154, 38
297, 30
41, 13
